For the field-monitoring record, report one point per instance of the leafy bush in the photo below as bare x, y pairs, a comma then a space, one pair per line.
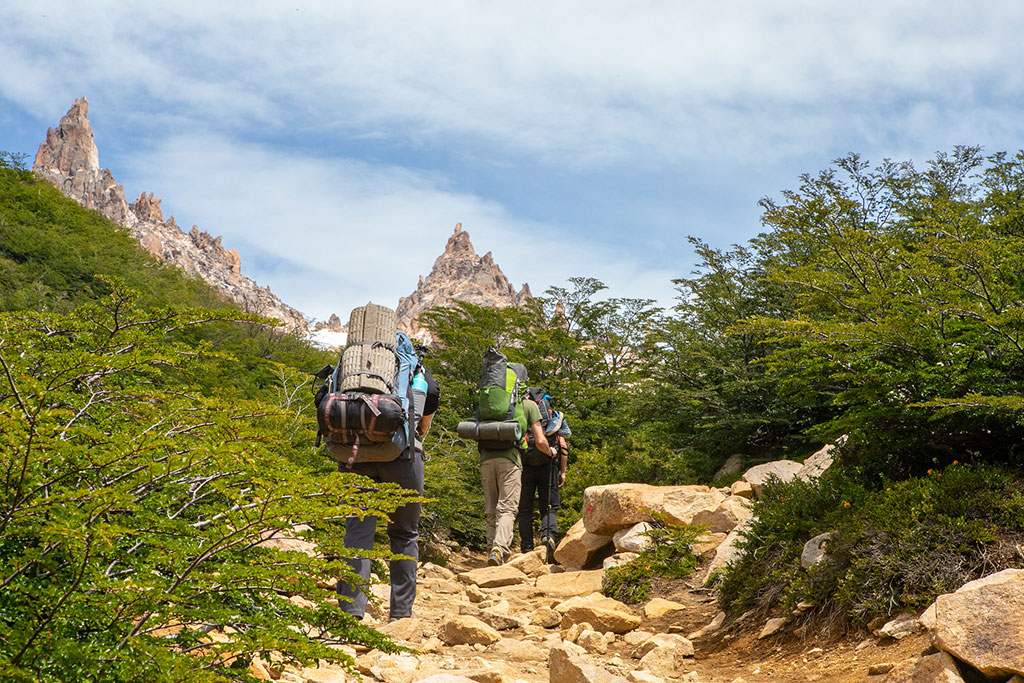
895, 546
134, 507
670, 555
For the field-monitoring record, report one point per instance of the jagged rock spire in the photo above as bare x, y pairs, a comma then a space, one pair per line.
458, 275
69, 159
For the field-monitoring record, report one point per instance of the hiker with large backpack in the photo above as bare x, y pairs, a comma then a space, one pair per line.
504, 416
374, 409
543, 476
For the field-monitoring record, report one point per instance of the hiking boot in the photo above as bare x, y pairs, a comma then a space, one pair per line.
494, 559
549, 544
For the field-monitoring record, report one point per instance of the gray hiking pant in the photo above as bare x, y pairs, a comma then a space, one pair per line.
403, 533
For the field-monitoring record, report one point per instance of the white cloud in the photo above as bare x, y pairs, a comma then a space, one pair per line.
321, 219
212, 103
572, 82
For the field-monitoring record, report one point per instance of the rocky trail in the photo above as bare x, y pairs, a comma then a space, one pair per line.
529, 621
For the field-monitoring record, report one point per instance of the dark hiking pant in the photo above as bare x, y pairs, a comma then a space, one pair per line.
538, 482
403, 533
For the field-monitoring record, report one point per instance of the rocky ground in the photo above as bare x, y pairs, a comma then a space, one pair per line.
529, 621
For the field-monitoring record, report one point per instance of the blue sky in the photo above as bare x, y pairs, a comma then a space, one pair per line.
570, 138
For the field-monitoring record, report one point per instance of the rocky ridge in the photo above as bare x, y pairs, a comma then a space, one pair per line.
69, 159
458, 274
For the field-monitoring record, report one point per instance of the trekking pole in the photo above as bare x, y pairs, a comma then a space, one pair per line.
552, 482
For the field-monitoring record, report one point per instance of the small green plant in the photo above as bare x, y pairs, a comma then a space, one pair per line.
629, 583
670, 556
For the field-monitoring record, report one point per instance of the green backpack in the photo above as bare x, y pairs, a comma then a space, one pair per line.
500, 421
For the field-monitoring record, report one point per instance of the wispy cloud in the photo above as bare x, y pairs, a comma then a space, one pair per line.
313, 227
291, 128
575, 82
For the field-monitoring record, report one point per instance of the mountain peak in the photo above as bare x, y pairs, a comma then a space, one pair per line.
458, 275
69, 159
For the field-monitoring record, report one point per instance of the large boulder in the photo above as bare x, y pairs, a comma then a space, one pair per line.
732, 465
603, 613
815, 465
725, 516
606, 509
463, 629
758, 475
565, 665
529, 563
580, 548
728, 551
569, 584
632, 539
983, 624
691, 505
936, 668
493, 577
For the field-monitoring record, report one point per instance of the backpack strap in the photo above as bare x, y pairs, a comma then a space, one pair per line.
388, 384
374, 344
512, 400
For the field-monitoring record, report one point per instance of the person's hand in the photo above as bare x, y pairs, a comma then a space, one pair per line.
561, 479
554, 451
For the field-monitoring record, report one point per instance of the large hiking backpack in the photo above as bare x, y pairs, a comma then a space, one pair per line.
500, 421
534, 457
552, 423
364, 405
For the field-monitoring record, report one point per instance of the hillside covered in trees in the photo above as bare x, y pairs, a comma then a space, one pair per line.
154, 436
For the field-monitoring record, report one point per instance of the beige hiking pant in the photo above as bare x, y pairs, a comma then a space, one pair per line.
502, 482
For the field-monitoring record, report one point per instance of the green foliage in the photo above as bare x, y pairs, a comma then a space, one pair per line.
629, 583
51, 249
670, 556
895, 546
592, 356
908, 309
452, 483
714, 395
134, 505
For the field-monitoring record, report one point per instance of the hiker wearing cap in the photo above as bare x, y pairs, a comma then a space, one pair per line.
543, 475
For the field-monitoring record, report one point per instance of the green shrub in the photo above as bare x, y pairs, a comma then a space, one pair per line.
893, 546
135, 505
629, 583
670, 556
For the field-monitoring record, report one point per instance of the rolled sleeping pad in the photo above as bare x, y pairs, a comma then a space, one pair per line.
467, 430
509, 430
